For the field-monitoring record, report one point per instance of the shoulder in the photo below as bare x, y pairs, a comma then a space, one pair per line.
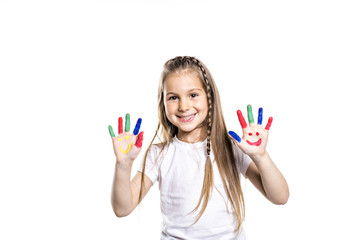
158, 147
158, 150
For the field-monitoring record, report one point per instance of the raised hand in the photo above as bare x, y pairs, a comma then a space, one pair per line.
127, 145
255, 137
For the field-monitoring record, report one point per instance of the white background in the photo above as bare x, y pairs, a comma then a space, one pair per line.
68, 69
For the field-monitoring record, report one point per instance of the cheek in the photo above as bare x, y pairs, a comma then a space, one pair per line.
169, 109
202, 105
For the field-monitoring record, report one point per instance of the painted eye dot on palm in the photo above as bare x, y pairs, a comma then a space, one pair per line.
254, 143
139, 140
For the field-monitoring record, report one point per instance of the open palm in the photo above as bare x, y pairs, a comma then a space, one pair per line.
255, 137
127, 146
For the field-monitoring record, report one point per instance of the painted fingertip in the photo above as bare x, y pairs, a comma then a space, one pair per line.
241, 119
120, 125
260, 116
111, 131
235, 136
250, 114
139, 140
268, 125
127, 122
137, 127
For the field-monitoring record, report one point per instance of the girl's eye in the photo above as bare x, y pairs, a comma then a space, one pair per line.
193, 95
172, 98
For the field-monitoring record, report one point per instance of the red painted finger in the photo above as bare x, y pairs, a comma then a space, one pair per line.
268, 125
241, 119
120, 125
139, 140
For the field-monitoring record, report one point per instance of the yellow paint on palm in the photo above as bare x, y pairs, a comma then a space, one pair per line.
127, 150
129, 146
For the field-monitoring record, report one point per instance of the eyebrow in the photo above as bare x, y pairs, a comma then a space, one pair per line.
190, 90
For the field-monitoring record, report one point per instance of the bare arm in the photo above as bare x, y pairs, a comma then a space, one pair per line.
125, 193
267, 178
127, 146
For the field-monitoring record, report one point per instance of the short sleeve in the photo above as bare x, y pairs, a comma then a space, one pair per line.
243, 161
151, 165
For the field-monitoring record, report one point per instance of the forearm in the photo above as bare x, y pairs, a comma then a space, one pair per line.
121, 197
274, 183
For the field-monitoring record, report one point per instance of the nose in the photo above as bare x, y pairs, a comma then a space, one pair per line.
184, 105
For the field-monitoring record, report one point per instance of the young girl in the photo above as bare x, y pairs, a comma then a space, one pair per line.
197, 163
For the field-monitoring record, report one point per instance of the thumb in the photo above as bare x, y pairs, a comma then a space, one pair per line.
235, 136
238, 140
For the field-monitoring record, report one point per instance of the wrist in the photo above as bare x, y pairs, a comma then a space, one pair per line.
124, 165
258, 158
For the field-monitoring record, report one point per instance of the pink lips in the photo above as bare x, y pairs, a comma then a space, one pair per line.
187, 118
257, 143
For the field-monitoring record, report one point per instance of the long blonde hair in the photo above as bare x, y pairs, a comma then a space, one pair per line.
217, 136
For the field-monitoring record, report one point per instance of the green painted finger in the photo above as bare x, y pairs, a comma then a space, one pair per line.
250, 114
111, 131
127, 123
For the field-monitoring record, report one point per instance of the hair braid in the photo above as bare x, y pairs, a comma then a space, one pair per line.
209, 98
208, 175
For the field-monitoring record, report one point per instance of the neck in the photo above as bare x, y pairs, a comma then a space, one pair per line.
196, 135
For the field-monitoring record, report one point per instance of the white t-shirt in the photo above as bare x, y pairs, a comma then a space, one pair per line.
180, 172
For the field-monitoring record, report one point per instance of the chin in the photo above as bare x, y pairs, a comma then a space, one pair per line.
186, 130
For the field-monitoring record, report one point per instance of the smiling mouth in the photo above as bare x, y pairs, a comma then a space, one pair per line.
187, 118
127, 150
257, 143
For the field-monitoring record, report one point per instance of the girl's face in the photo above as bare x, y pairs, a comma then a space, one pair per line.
186, 105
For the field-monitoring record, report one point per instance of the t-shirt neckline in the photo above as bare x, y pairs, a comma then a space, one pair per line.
196, 144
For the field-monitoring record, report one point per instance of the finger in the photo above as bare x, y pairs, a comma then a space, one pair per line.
137, 126
268, 125
250, 114
241, 119
235, 136
112, 134
139, 140
260, 116
127, 123
120, 125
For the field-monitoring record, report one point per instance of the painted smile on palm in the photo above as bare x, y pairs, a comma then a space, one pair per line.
254, 143
129, 145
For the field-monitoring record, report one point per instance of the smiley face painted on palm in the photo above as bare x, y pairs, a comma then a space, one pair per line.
253, 134
125, 141
254, 141
120, 139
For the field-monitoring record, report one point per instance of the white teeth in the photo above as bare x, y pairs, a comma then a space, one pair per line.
187, 117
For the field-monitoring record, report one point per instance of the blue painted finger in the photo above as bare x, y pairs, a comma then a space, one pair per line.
260, 116
235, 136
137, 126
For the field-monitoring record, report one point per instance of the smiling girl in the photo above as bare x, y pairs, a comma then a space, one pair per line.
197, 162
